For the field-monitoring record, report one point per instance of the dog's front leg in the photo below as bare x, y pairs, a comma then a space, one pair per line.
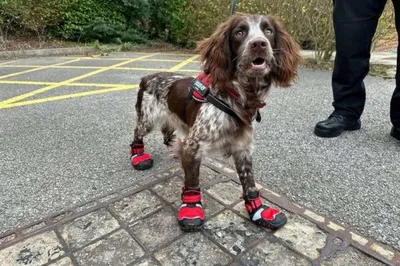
260, 214
191, 214
191, 161
244, 168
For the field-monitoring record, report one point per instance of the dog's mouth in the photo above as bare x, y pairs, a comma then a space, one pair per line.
259, 64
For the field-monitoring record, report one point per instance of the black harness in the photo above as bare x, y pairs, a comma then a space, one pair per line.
200, 92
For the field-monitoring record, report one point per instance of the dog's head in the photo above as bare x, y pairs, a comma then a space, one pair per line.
251, 45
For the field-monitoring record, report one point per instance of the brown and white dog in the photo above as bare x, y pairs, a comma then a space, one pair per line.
243, 58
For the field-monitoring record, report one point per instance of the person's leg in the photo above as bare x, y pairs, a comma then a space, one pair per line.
355, 24
395, 102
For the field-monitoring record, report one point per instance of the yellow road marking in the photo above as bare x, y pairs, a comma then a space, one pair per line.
36, 69
138, 53
118, 68
184, 63
4, 63
12, 82
68, 96
68, 81
36, 66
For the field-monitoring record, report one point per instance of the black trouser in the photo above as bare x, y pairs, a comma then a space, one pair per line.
355, 23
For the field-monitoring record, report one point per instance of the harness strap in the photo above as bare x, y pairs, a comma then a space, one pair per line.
199, 91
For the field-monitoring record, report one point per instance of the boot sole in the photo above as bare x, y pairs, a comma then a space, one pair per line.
142, 166
328, 134
193, 226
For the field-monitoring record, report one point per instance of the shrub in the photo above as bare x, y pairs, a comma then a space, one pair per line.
308, 21
31, 15
87, 20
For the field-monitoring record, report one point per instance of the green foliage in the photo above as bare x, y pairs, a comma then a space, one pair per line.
182, 22
31, 15
86, 20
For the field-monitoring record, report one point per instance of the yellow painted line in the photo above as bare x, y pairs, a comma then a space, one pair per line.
13, 82
142, 69
17, 82
68, 96
4, 63
36, 66
184, 63
97, 84
68, 81
36, 69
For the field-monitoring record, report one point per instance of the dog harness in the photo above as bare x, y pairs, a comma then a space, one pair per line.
199, 91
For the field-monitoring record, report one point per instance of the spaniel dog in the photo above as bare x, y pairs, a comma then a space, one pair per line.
241, 60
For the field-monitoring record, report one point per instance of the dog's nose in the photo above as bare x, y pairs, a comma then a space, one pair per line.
258, 44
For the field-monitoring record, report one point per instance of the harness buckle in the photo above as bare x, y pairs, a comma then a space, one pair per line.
199, 91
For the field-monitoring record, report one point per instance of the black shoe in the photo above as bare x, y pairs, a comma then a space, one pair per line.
335, 125
395, 133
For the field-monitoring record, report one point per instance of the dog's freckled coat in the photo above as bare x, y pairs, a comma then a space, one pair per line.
247, 54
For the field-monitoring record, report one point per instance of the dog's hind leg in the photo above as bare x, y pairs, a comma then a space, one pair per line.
260, 214
168, 133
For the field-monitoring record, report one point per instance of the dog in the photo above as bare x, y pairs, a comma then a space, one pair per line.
215, 111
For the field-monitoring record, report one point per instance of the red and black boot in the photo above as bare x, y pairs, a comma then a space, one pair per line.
263, 215
191, 214
139, 159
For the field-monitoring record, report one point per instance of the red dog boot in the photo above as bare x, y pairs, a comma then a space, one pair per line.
263, 215
139, 159
191, 214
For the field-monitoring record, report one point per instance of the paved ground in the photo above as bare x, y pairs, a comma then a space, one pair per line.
137, 226
66, 123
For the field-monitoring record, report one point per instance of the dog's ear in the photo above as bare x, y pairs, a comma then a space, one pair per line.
287, 56
216, 55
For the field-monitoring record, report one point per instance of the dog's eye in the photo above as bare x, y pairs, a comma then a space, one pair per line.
239, 34
268, 32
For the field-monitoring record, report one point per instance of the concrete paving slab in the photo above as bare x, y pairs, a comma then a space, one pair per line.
273, 253
157, 230
192, 249
63, 262
50, 75
37, 250
118, 249
351, 257
234, 233
102, 236
131, 209
90, 227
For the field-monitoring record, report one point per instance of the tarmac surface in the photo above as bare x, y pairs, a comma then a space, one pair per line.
66, 124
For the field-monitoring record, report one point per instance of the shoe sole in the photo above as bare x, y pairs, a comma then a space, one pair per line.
328, 134
144, 165
192, 227
395, 134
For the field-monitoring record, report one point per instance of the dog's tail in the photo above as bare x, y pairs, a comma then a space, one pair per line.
142, 88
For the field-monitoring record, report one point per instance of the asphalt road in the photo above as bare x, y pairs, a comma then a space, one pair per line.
57, 150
